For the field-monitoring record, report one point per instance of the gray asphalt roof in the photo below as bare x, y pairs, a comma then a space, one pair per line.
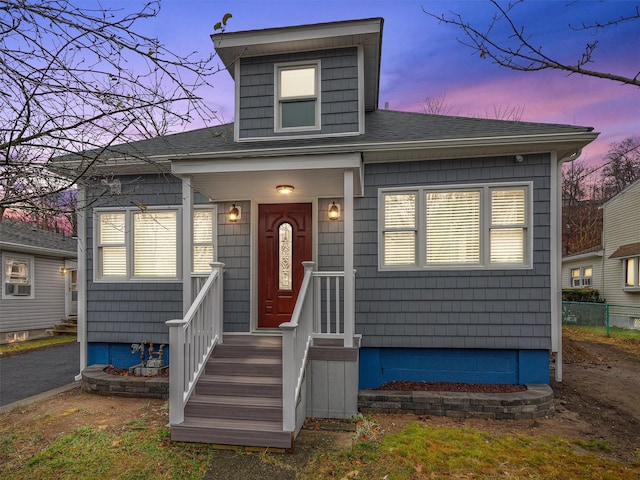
382, 126
25, 235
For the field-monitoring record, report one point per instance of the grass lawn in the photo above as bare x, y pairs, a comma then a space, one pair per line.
614, 332
423, 452
20, 347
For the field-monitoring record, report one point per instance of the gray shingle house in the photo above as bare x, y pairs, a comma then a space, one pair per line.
318, 245
39, 280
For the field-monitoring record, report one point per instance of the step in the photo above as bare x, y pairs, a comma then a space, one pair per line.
55, 331
264, 367
248, 433
234, 407
254, 386
259, 340
230, 350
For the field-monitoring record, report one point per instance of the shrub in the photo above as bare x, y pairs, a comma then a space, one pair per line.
589, 295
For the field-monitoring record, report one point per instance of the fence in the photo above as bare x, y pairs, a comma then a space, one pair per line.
601, 315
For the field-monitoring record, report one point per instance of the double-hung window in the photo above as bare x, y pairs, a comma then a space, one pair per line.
203, 239
297, 93
137, 245
581, 277
17, 273
134, 245
483, 226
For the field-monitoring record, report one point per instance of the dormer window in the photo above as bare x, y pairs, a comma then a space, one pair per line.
297, 93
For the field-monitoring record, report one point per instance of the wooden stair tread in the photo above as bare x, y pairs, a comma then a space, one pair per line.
232, 424
236, 400
246, 360
241, 379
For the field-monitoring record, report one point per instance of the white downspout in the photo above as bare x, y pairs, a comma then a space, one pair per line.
81, 219
187, 235
556, 257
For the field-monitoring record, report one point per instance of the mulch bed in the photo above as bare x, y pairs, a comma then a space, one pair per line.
451, 387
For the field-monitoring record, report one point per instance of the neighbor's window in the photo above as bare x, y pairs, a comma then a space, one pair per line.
297, 105
17, 276
631, 273
581, 277
203, 237
475, 226
137, 245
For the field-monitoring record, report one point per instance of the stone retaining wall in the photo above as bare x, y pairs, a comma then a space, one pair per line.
96, 380
535, 402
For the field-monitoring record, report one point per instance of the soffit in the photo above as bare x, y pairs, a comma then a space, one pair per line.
257, 178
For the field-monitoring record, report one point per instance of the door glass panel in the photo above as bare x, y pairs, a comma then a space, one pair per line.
285, 233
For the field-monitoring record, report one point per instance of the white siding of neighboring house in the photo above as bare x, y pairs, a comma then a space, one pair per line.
592, 260
621, 226
46, 308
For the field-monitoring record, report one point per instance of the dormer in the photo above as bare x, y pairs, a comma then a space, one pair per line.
303, 81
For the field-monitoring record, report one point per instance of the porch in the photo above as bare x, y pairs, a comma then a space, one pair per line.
257, 389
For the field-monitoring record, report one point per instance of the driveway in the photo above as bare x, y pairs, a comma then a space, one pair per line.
34, 372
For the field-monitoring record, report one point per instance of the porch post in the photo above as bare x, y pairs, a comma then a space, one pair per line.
349, 281
82, 278
187, 235
218, 301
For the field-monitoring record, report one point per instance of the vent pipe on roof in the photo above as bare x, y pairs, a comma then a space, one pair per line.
386, 105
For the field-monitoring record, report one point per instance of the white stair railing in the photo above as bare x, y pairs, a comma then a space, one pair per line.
191, 340
318, 313
329, 296
296, 340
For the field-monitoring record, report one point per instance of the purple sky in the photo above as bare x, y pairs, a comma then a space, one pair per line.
422, 58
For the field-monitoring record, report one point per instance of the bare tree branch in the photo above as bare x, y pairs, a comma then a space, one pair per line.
516, 49
76, 79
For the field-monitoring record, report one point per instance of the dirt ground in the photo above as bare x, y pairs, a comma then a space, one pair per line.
598, 399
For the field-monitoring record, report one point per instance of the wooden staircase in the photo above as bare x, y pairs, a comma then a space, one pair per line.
68, 326
238, 398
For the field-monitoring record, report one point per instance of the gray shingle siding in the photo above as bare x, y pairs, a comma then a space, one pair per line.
330, 238
339, 92
132, 312
453, 309
234, 250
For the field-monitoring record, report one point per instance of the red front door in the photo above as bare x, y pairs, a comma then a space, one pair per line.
284, 242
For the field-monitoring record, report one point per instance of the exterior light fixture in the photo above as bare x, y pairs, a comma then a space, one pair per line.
285, 189
235, 213
63, 270
334, 211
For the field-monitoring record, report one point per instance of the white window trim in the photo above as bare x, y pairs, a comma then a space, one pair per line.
130, 278
485, 227
31, 265
631, 288
276, 96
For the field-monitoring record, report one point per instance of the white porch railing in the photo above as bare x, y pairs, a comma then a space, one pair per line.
191, 341
319, 312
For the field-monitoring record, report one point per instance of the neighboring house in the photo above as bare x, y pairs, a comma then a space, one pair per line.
451, 224
621, 246
584, 270
39, 280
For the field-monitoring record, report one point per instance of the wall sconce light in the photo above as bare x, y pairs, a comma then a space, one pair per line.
285, 189
63, 270
518, 158
334, 211
235, 213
